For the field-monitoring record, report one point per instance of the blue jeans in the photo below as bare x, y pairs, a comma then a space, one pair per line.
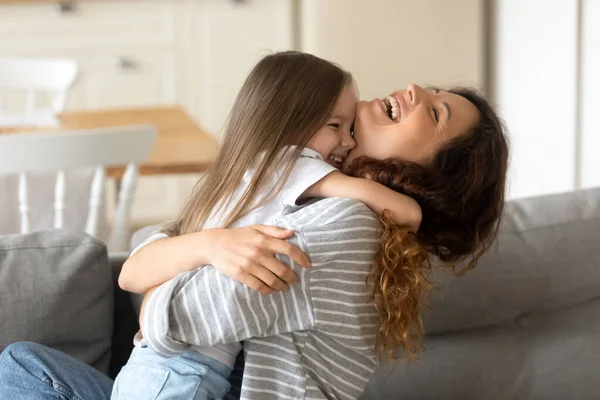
31, 371
193, 376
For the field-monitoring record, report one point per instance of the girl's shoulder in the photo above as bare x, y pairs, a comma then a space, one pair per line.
145, 236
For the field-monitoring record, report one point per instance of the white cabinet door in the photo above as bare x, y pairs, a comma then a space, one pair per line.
125, 78
224, 40
388, 44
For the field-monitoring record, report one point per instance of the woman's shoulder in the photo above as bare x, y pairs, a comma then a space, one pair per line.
332, 210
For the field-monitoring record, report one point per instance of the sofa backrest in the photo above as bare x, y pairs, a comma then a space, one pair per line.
546, 257
523, 324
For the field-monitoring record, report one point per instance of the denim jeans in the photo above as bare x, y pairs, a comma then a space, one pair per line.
31, 371
193, 376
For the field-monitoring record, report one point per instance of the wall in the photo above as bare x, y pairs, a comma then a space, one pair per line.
589, 95
547, 55
388, 44
535, 87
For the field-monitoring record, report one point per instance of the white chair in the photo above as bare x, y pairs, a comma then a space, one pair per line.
37, 79
125, 145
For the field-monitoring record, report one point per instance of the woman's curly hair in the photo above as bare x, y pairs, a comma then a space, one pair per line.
461, 194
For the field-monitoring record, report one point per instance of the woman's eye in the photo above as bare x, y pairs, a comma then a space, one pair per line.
352, 130
436, 116
336, 126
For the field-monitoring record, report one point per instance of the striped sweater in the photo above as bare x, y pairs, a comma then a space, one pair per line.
314, 341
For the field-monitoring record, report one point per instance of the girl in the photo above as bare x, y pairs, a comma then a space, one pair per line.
288, 134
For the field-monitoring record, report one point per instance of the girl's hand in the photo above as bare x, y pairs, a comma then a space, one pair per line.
247, 255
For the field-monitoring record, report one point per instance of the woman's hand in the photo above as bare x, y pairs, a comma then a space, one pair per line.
247, 255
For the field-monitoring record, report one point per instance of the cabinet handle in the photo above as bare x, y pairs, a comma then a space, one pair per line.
125, 64
64, 7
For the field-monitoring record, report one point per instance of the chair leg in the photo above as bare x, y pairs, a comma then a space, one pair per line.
120, 230
24, 203
95, 204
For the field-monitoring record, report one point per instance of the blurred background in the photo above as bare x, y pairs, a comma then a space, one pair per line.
535, 59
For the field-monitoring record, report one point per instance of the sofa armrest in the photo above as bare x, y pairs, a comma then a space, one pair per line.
125, 318
56, 289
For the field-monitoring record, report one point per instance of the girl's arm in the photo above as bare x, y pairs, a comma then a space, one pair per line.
404, 209
203, 308
246, 255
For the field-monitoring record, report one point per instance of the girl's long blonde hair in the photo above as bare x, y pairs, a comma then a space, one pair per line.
285, 99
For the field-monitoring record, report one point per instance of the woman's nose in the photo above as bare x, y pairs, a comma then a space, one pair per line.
414, 93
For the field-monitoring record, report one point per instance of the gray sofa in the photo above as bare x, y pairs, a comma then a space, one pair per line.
524, 325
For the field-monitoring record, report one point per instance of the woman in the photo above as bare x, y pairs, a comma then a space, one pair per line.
445, 149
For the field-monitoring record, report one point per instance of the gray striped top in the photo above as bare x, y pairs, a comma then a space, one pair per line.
315, 341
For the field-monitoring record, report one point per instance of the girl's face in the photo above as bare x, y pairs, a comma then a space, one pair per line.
410, 124
334, 140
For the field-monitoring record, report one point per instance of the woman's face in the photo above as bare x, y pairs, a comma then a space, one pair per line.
410, 124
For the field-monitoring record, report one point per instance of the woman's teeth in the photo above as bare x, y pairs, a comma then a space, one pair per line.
335, 158
392, 108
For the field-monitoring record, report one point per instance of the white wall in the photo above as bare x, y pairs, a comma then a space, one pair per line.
590, 94
536, 69
388, 44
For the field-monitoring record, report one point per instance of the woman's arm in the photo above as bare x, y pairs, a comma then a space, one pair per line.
244, 254
404, 209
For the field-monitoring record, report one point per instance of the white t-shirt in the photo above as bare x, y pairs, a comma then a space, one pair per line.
308, 170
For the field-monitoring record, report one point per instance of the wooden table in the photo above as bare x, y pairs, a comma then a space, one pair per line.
182, 146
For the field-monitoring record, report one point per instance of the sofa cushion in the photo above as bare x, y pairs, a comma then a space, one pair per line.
551, 355
56, 289
546, 258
